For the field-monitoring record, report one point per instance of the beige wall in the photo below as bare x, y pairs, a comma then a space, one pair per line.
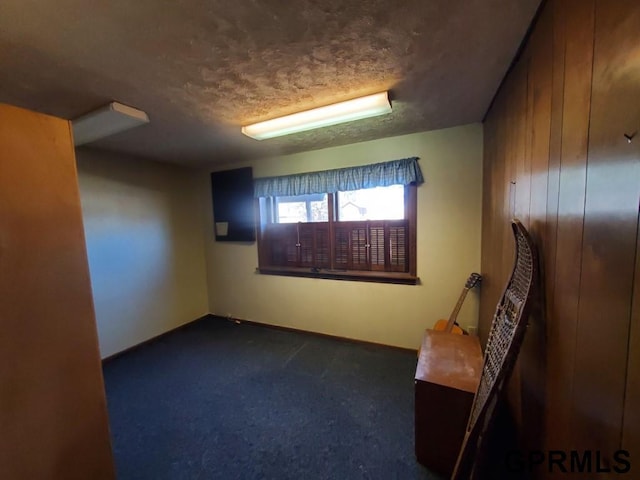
449, 223
143, 227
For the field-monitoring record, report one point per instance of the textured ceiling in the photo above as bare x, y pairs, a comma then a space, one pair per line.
203, 68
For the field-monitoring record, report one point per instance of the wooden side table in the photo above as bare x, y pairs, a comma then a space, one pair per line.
447, 377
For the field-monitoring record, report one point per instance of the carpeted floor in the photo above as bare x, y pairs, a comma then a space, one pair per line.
217, 400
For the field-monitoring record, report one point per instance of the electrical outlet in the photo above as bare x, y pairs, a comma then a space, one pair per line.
472, 329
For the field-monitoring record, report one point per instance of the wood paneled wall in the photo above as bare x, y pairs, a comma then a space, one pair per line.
53, 416
556, 157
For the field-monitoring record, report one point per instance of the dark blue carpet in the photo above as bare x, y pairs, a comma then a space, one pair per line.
217, 400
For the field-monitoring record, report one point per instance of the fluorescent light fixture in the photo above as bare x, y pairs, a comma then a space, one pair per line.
105, 121
356, 109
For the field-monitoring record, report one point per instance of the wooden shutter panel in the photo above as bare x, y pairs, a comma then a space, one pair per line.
341, 247
377, 243
351, 246
322, 245
314, 244
398, 247
306, 236
372, 245
282, 240
359, 246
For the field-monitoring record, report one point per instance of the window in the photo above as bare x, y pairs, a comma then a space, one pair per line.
358, 235
301, 208
379, 203
366, 234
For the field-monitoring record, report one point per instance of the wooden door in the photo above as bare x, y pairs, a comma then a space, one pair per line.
52, 404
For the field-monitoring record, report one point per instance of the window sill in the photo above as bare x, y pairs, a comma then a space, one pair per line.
353, 275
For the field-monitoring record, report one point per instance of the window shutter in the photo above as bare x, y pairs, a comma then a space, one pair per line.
350, 246
282, 240
359, 246
398, 246
305, 232
377, 242
322, 245
314, 244
341, 247
371, 245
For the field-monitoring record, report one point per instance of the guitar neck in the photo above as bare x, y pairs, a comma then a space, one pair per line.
454, 314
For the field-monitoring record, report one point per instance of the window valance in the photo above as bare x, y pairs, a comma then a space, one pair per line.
394, 172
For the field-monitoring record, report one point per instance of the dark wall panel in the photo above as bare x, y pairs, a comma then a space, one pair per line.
610, 228
533, 364
576, 19
556, 157
233, 205
631, 419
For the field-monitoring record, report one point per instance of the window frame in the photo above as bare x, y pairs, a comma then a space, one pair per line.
265, 244
274, 204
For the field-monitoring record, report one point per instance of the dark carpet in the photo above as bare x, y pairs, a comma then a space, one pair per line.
217, 400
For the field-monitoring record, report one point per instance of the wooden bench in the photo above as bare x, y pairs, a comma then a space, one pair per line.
446, 380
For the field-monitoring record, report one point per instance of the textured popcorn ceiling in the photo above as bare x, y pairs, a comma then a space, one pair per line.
203, 68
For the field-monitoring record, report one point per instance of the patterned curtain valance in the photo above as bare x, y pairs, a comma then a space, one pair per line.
395, 172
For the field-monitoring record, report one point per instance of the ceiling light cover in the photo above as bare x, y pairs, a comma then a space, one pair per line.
356, 109
106, 121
